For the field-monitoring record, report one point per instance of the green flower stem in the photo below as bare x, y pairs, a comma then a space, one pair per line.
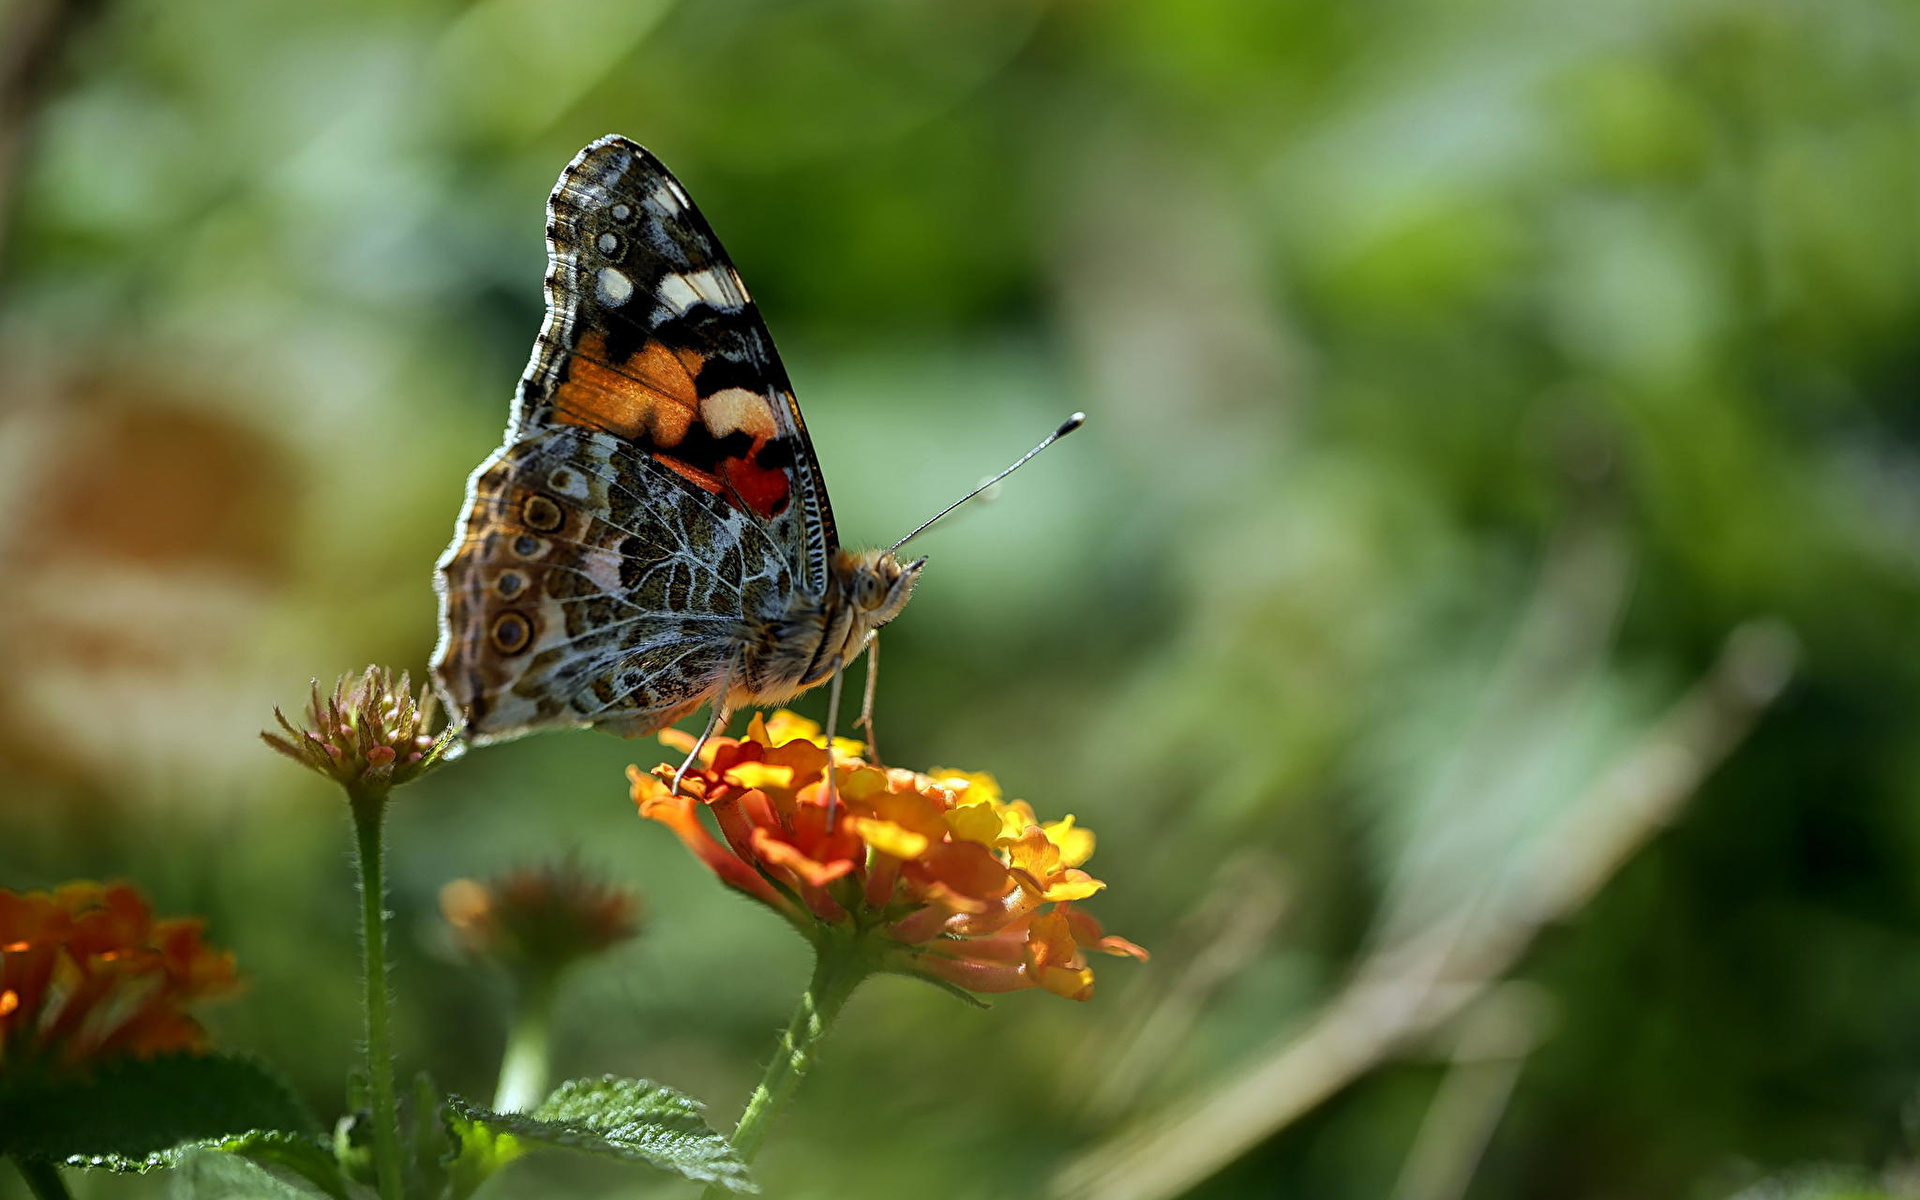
369, 817
839, 967
525, 1066
43, 1179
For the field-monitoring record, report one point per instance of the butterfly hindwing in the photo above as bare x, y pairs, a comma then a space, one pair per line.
588, 585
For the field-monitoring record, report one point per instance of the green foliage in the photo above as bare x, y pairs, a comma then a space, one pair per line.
1459, 375
184, 1113
140, 1115
1820, 1183
632, 1120
209, 1174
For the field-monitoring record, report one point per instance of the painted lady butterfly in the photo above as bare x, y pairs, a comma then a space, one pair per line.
654, 535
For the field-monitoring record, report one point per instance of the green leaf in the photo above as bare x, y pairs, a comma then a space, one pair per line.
630, 1119
133, 1115
297, 1153
353, 1146
480, 1149
208, 1174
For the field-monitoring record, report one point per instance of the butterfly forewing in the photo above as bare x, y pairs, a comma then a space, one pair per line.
657, 500
650, 335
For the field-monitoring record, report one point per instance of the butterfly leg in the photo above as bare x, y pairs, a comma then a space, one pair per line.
866, 701
715, 723
833, 723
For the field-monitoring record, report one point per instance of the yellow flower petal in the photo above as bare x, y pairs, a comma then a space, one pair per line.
1074, 983
1014, 819
889, 838
975, 823
784, 726
760, 775
1073, 889
981, 787
858, 784
1076, 845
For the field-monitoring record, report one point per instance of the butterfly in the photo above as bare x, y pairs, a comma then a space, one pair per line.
654, 534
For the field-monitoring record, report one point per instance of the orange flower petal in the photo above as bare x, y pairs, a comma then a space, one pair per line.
1034, 852
1050, 941
1087, 932
883, 877
921, 925
944, 899
966, 868
985, 977
677, 813
777, 853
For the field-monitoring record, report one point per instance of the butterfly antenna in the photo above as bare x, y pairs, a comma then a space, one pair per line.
1066, 427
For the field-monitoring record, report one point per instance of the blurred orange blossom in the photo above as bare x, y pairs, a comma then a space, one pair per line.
87, 974
540, 918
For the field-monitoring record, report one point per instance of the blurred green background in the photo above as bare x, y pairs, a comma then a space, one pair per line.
1479, 618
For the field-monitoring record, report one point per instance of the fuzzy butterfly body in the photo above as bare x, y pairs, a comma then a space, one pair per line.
654, 534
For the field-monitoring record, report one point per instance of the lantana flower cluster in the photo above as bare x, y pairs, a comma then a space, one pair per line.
960, 884
87, 974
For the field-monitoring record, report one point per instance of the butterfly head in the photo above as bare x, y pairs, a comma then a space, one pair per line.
876, 585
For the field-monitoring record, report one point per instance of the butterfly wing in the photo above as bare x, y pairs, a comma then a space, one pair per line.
657, 486
650, 335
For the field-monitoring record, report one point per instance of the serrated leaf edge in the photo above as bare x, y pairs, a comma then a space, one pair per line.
527, 1127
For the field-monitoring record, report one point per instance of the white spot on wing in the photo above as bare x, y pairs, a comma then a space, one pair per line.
717, 287
668, 197
737, 409
608, 243
621, 212
613, 287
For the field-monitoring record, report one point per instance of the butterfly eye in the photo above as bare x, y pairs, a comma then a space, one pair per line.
869, 591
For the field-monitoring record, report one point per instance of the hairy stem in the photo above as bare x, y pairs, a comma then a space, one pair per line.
839, 968
369, 818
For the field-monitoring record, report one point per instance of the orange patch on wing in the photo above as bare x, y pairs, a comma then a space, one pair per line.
650, 395
691, 474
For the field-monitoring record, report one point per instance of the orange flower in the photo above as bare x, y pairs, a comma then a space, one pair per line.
87, 974
962, 886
